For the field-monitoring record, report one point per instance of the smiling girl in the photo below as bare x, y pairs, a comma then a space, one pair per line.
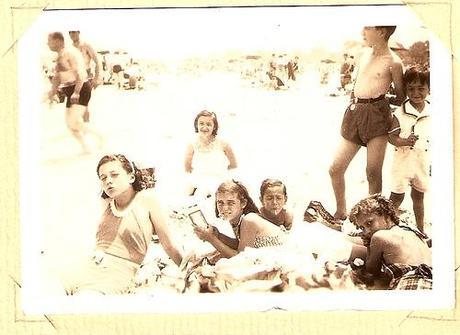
208, 158
234, 205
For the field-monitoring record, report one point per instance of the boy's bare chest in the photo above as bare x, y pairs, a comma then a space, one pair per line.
376, 67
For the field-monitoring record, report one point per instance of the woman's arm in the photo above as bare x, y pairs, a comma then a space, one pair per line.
209, 235
231, 242
158, 219
188, 158
230, 156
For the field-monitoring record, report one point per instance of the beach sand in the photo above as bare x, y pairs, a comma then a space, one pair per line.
287, 134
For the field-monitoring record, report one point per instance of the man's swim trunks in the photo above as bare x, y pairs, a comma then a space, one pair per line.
85, 94
366, 119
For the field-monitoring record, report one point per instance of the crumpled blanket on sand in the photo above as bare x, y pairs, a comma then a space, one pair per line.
270, 269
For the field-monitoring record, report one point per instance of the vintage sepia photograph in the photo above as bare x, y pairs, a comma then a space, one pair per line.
235, 159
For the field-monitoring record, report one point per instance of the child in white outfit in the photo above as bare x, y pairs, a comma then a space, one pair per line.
410, 134
208, 158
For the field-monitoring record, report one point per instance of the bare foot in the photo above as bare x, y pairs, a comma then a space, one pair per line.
340, 216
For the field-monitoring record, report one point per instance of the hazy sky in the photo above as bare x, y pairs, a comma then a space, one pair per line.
174, 33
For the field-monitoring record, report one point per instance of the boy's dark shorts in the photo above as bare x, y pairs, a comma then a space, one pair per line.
85, 94
365, 121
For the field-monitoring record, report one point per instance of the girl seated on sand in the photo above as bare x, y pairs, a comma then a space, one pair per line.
234, 204
131, 215
273, 197
208, 158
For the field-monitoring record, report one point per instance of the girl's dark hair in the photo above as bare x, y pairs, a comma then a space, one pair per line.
209, 114
415, 74
376, 204
143, 178
270, 183
233, 186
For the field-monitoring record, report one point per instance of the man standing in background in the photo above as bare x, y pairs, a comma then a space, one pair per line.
88, 55
70, 78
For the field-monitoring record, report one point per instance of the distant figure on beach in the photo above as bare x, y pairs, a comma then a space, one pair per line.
293, 68
208, 159
134, 72
70, 77
410, 134
105, 70
118, 67
132, 214
273, 73
273, 197
275, 82
88, 55
325, 70
281, 69
398, 254
272, 64
346, 71
367, 119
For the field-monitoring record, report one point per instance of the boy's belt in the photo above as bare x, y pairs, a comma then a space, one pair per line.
367, 100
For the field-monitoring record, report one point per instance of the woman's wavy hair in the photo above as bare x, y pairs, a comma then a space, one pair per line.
233, 186
143, 178
208, 114
376, 204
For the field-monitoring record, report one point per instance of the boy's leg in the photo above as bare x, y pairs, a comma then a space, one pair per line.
376, 148
86, 115
396, 199
344, 155
419, 211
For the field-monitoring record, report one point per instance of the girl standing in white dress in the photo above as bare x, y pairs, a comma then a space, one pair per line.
208, 158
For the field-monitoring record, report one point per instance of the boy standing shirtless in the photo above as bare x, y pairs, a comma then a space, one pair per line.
368, 117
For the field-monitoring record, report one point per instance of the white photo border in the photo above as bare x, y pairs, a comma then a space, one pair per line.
442, 295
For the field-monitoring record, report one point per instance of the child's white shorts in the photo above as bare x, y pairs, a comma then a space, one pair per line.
411, 168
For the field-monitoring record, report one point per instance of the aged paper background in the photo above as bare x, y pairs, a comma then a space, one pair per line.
15, 17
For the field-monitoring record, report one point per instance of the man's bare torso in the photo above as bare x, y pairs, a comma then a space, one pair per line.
374, 75
68, 67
